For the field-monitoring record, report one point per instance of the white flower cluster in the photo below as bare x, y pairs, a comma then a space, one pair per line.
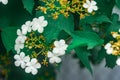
36, 24
90, 5
108, 48
58, 50
4, 1
30, 66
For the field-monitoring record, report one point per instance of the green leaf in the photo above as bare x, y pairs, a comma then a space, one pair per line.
115, 24
117, 3
66, 24
83, 54
4, 22
101, 55
111, 61
28, 5
54, 27
105, 6
95, 19
13, 14
51, 33
85, 38
8, 37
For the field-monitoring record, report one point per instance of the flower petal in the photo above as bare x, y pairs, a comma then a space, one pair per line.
55, 50
17, 63
41, 18
95, 8
51, 60
29, 29
107, 46
118, 61
109, 51
44, 23
61, 53
28, 23
57, 60
33, 61
28, 69
4, 2
40, 29
19, 32
21, 46
90, 10
17, 57
56, 43
23, 65
50, 54
35, 26
93, 3
88, 2
22, 54
85, 5
37, 65
34, 71
27, 59
28, 64
62, 42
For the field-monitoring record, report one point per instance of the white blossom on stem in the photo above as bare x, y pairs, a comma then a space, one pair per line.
21, 60
20, 33
32, 66
19, 43
60, 47
108, 48
26, 27
53, 58
39, 24
90, 5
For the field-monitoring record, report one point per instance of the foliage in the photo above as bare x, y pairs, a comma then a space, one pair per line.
83, 31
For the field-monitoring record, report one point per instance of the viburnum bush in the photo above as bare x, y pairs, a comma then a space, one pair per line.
36, 34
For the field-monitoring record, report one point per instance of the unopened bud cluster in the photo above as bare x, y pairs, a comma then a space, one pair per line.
64, 7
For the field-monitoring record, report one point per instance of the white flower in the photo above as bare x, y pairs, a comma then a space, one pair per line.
32, 66
109, 51
53, 58
21, 60
60, 47
108, 48
4, 1
90, 5
118, 61
26, 27
19, 33
39, 24
19, 43
17, 47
